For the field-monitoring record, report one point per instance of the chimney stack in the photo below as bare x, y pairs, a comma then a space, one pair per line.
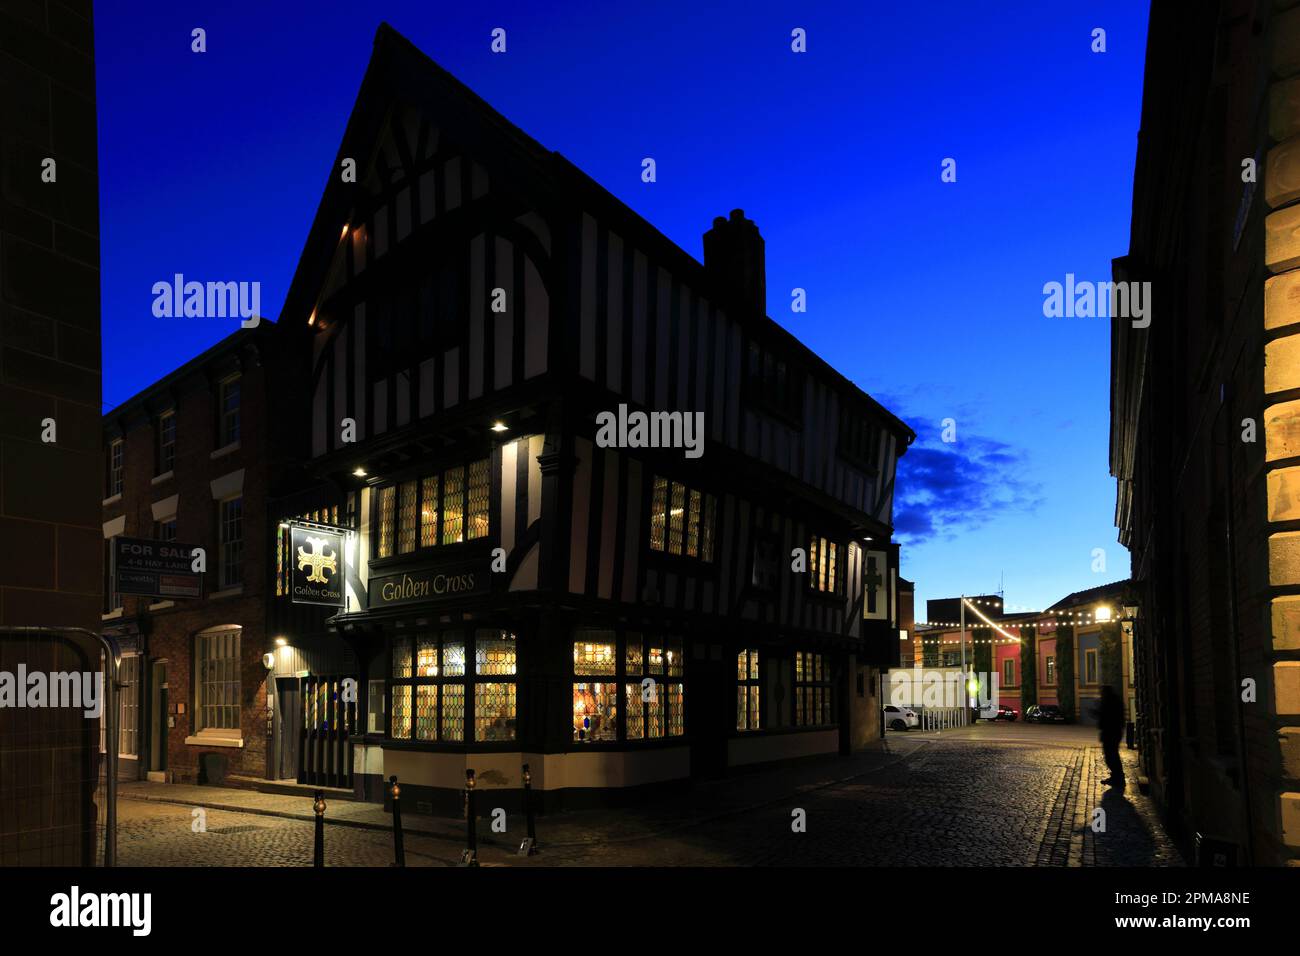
733, 253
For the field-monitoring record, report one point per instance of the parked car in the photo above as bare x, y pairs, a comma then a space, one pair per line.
1044, 714
900, 718
997, 712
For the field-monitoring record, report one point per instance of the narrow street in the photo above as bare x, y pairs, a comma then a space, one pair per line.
989, 795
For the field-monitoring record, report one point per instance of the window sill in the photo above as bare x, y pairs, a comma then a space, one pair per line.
212, 740
236, 591
111, 615
111, 500
165, 476
160, 605
224, 450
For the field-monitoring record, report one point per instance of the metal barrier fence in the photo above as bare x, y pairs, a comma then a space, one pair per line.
944, 718
58, 789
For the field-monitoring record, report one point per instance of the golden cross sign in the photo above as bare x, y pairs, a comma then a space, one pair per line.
317, 560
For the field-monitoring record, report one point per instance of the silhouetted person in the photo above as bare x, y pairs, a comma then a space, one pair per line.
1110, 718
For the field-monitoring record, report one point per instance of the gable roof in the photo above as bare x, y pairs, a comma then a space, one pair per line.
399, 71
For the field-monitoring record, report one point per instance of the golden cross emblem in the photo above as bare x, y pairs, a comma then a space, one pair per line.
317, 560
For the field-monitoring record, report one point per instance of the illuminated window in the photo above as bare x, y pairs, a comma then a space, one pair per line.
595, 703
654, 701
408, 513
812, 690
823, 563
682, 520
476, 509
387, 518
1051, 671
453, 513
430, 686
445, 508
494, 701
748, 707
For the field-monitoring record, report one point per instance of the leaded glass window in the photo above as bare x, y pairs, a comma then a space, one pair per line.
387, 517
429, 511
654, 702
476, 511
823, 557
595, 703
407, 516
682, 520
748, 707
813, 698
449, 507
453, 506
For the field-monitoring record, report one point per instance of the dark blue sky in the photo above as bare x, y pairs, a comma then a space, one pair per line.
927, 295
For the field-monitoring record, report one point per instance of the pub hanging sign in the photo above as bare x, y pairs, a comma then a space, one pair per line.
316, 561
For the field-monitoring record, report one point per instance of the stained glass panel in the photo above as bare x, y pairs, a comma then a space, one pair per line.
742, 708
633, 659
656, 660
477, 516
595, 711
676, 713
453, 657
402, 657
676, 518
753, 665
407, 514
754, 709
494, 711
426, 656
453, 711
742, 665
453, 505
426, 712
658, 514
635, 711
494, 653
594, 658
401, 711
693, 526
673, 656
387, 513
429, 511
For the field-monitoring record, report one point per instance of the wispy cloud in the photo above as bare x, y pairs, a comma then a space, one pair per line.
945, 489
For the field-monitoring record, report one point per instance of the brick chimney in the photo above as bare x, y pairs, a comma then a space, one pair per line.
733, 252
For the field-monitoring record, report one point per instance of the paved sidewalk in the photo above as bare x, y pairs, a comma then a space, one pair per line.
702, 803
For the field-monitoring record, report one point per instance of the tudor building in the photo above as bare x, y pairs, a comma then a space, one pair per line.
615, 618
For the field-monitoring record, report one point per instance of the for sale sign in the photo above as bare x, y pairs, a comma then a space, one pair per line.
163, 569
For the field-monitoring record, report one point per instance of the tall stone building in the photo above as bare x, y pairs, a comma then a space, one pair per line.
49, 414
1205, 436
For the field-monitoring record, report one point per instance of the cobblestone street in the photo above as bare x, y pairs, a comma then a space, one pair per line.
990, 795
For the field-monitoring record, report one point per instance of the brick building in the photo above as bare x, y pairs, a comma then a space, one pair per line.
190, 460
1205, 426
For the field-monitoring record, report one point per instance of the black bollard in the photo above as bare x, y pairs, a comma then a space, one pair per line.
397, 822
470, 856
529, 846
319, 807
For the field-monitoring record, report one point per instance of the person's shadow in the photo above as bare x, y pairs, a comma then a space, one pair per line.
1127, 840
